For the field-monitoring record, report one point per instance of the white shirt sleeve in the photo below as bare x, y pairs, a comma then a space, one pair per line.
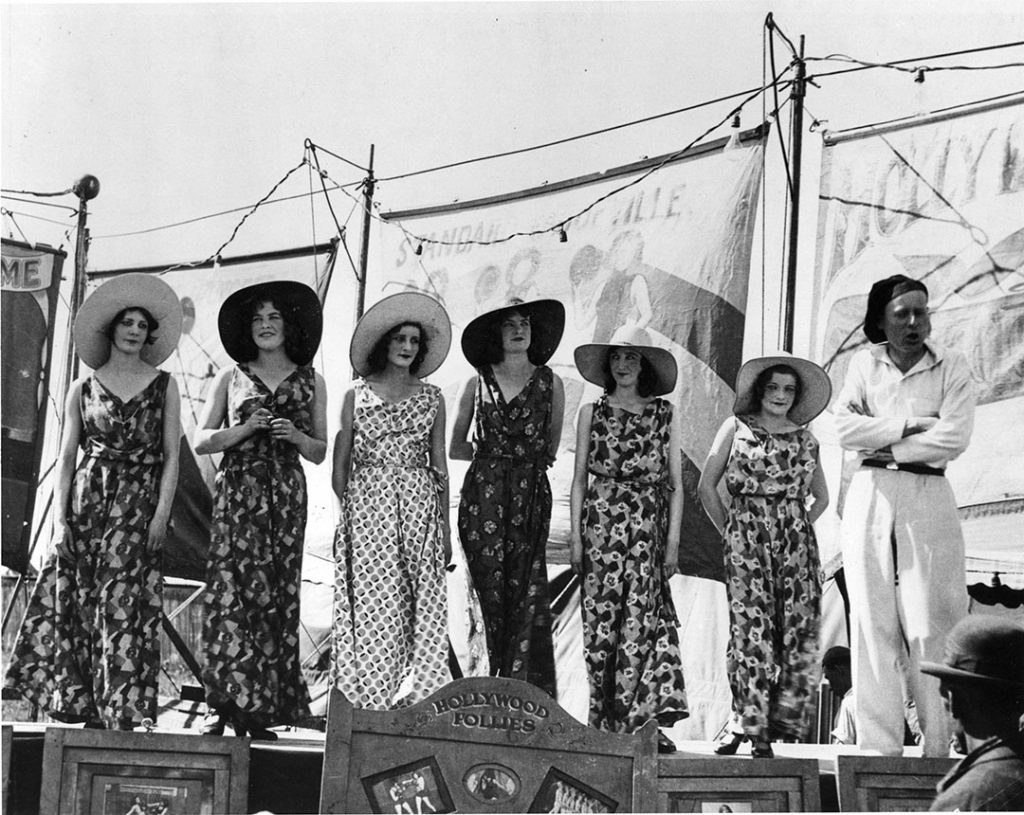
949, 437
856, 432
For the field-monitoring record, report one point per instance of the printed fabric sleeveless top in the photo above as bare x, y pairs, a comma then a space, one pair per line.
773, 465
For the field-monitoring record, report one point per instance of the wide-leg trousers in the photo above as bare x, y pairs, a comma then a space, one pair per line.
903, 552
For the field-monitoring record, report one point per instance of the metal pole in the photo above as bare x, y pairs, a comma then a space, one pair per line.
77, 290
364, 249
86, 188
796, 135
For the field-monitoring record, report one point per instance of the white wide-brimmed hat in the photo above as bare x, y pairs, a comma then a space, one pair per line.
591, 359
816, 388
404, 307
131, 290
547, 322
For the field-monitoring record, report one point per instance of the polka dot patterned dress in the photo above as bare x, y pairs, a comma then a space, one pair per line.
390, 602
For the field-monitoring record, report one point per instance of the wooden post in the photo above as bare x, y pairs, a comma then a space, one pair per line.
796, 133
364, 249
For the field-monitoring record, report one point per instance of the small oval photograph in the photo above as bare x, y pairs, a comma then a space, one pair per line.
491, 783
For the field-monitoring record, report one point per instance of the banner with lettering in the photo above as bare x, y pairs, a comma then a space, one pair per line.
30, 288
663, 244
940, 199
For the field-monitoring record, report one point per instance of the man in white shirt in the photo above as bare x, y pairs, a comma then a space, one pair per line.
835, 667
907, 407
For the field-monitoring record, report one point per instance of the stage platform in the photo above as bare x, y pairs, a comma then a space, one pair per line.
285, 775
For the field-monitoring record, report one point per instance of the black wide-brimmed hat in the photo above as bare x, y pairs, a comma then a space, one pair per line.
547, 322
297, 302
881, 293
816, 387
403, 307
591, 358
134, 289
983, 651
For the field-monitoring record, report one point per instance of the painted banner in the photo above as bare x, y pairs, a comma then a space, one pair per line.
666, 246
940, 199
30, 290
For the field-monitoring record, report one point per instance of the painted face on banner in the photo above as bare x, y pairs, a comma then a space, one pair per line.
779, 395
267, 327
403, 345
906, 323
131, 332
515, 332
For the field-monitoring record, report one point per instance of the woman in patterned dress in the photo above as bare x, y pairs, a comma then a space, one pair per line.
390, 637
89, 650
627, 505
264, 414
770, 464
505, 511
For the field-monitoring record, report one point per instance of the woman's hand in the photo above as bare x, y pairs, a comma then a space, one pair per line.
157, 532
285, 430
576, 553
62, 541
671, 565
259, 419
446, 534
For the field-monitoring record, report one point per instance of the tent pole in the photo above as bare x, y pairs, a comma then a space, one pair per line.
78, 290
364, 249
796, 133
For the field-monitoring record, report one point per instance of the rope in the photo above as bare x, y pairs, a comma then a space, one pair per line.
569, 139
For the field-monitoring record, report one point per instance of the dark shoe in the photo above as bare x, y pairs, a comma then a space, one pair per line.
125, 724
214, 723
244, 724
728, 746
665, 744
95, 724
761, 749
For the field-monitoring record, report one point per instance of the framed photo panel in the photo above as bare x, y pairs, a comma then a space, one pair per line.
884, 784
738, 785
484, 745
414, 787
102, 772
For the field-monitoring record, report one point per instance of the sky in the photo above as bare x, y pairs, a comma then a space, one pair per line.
186, 110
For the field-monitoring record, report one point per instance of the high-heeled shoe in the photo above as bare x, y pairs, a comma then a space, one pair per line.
244, 724
665, 744
728, 746
214, 723
762, 749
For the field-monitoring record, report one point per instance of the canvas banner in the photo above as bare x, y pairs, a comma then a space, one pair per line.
30, 290
941, 200
670, 252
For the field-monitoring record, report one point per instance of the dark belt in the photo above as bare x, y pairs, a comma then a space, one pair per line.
918, 469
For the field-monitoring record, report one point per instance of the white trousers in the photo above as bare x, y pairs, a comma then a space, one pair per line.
903, 554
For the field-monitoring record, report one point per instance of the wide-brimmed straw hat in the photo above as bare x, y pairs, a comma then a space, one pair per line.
816, 388
299, 305
547, 322
591, 359
404, 307
984, 652
134, 289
